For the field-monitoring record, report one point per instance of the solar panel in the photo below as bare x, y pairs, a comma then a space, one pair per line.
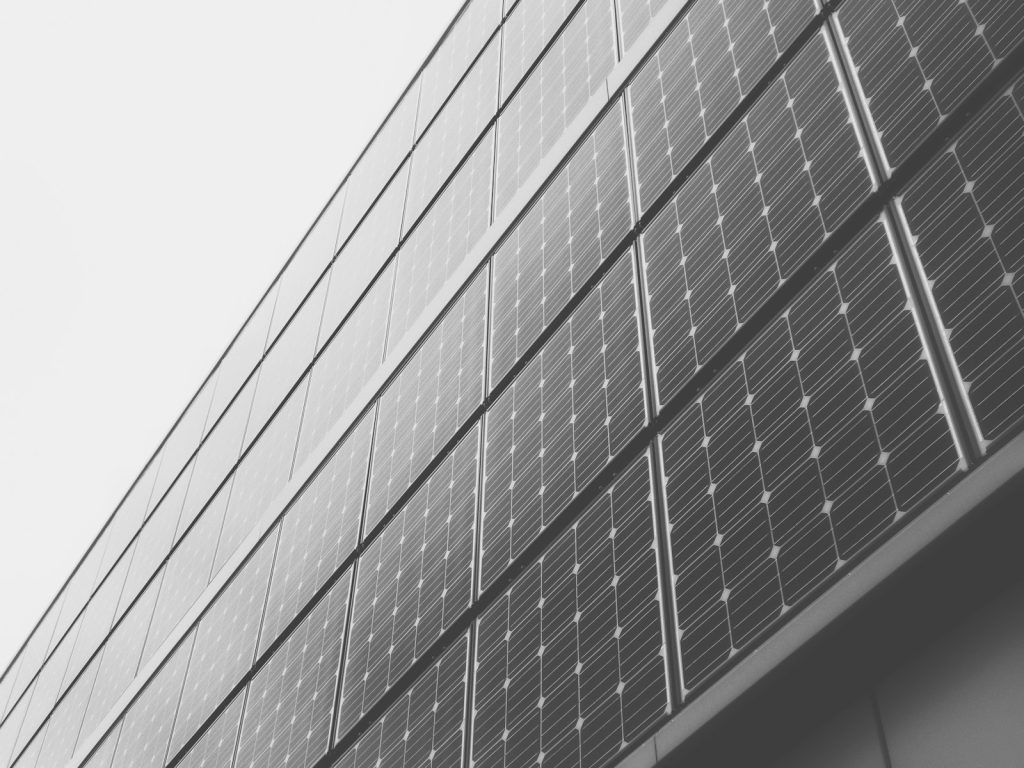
779, 183
34, 653
261, 477
916, 61
7, 684
562, 239
218, 454
120, 660
187, 574
288, 708
10, 727
30, 756
429, 399
572, 70
712, 58
443, 239
964, 212
103, 755
286, 361
380, 159
527, 30
184, 439
320, 530
345, 366
127, 519
47, 688
58, 745
225, 643
146, 725
412, 582
634, 16
425, 727
570, 664
452, 133
827, 430
571, 410
364, 254
75, 595
454, 55
216, 747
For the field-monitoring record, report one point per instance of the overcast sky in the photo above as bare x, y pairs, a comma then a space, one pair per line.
158, 163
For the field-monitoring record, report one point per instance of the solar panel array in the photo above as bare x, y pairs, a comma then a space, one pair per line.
507, 470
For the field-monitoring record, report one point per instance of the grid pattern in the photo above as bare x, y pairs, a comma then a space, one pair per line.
635, 16
287, 717
319, 531
441, 242
216, 747
783, 179
824, 432
412, 582
712, 58
573, 70
570, 663
425, 727
428, 400
569, 412
529, 28
562, 239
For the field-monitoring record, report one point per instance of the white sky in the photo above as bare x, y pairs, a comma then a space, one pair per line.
158, 163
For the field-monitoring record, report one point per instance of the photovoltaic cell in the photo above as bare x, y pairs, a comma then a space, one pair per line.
780, 182
30, 756
103, 755
320, 530
216, 747
120, 659
570, 411
10, 727
261, 477
345, 366
47, 687
425, 727
58, 745
289, 706
429, 399
442, 240
570, 666
147, 723
184, 439
187, 574
635, 15
710, 60
412, 582
364, 254
126, 523
965, 213
457, 126
527, 30
826, 430
454, 54
572, 70
582, 215
225, 643
916, 60
76, 594
7, 685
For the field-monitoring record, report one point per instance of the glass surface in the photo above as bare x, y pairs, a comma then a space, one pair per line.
10, 727
47, 687
216, 747
34, 653
128, 519
184, 439
635, 16
58, 745
527, 30
81, 585
103, 755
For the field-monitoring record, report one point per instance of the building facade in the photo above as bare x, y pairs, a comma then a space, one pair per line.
650, 392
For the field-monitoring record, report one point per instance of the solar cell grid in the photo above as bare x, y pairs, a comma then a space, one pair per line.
58, 745
184, 439
261, 477
216, 747
187, 574
320, 530
916, 60
527, 30
453, 56
103, 756
570, 665
572, 70
442, 240
47, 687
965, 212
345, 366
288, 708
412, 582
425, 727
826, 430
225, 643
569, 412
581, 216
428, 400
710, 60
635, 16
457, 126
146, 725
780, 182
120, 660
